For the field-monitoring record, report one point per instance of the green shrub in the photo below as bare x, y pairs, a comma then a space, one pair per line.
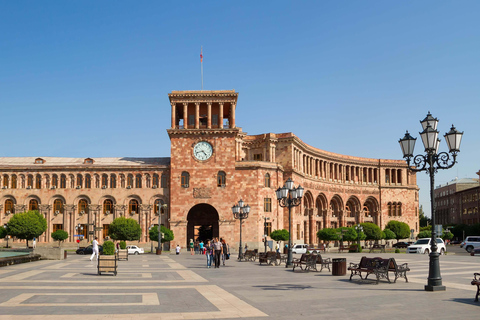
397, 250
123, 245
108, 248
59, 236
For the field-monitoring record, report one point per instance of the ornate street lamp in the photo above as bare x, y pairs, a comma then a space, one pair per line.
288, 196
359, 229
240, 211
6, 236
265, 232
430, 162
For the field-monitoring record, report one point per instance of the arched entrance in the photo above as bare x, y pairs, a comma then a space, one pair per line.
202, 223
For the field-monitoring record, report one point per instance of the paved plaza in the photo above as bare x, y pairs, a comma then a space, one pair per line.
181, 287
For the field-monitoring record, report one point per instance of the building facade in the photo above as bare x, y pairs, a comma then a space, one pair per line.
213, 164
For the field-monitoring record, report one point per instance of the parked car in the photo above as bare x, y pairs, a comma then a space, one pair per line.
475, 252
423, 246
470, 243
89, 250
134, 250
300, 248
401, 244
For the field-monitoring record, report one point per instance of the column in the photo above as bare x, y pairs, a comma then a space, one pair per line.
209, 115
197, 115
232, 115
220, 115
185, 116
174, 115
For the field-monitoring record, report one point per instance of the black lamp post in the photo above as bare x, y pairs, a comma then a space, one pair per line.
6, 236
240, 211
430, 162
288, 196
359, 229
265, 232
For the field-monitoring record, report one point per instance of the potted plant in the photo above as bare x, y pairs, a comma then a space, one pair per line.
107, 262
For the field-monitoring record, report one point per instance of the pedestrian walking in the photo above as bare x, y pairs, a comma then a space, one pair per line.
95, 248
191, 246
177, 250
277, 247
218, 248
225, 250
197, 247
201, 246
208, 253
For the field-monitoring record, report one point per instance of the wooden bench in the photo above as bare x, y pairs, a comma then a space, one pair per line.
380, 267
268, 258
476, 282
380, 247
306, 262
250, 255
323, 263
280, 258
350, 248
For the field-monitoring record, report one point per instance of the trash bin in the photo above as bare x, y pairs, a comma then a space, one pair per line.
339, 267
64, 254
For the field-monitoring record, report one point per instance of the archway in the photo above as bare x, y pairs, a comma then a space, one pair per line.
202, 223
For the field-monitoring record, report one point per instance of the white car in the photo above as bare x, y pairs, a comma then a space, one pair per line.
134, 250
300, 248
423, 246
471, 243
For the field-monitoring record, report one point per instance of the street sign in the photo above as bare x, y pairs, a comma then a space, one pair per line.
91, 232
98, 228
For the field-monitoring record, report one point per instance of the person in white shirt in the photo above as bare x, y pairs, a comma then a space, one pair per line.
177, 250
95, 249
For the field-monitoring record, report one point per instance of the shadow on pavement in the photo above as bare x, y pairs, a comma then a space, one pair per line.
284, 287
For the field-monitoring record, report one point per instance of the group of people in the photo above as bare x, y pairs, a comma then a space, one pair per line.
217, 250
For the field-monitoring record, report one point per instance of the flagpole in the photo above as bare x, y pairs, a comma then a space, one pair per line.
201, 63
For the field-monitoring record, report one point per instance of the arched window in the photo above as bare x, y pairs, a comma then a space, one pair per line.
108, 206
5, 180
389, 208
63, 181
33, 205
29, 181
14, 181
399, 209
113, 181
185, 179
88, 181
267, 180
130, 181
155, 180
9, 206
221, 179
54, 181
82, 206
133, 206
57, 206
104, 181
38, 181
164, 181
79, 180
138, 181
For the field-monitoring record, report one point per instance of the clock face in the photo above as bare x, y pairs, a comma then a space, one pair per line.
202, 151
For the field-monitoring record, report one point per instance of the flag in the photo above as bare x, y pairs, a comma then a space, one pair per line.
201, 55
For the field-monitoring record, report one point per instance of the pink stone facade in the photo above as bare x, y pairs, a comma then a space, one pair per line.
200, 189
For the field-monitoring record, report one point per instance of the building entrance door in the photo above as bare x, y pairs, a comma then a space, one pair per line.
202, 223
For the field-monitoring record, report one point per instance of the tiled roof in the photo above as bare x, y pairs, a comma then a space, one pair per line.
54, 161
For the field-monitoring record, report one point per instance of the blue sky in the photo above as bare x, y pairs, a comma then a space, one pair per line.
90, 79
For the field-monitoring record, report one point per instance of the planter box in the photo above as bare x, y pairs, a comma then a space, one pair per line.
107, 264
122, 254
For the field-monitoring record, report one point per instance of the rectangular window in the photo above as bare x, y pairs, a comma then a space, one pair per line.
57, 227
191, 120
164, 181
298, 231
268, 228
105, 230
258, 157
267, 204
215, 120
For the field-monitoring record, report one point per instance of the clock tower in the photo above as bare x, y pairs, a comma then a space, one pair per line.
205, 145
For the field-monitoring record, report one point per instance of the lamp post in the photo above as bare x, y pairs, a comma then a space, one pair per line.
160, 235
288, 197
6, 236
359, 229
240, 211
430, 162
265, 232
151, 242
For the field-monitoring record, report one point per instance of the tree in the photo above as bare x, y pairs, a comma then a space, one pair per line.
27, 225
124, 229
328, 234
279, 235
424, 221
389, 234
3, 232
372, 231
424, 234
349, 234
59, 236
447, 236
401, 229
167, 234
